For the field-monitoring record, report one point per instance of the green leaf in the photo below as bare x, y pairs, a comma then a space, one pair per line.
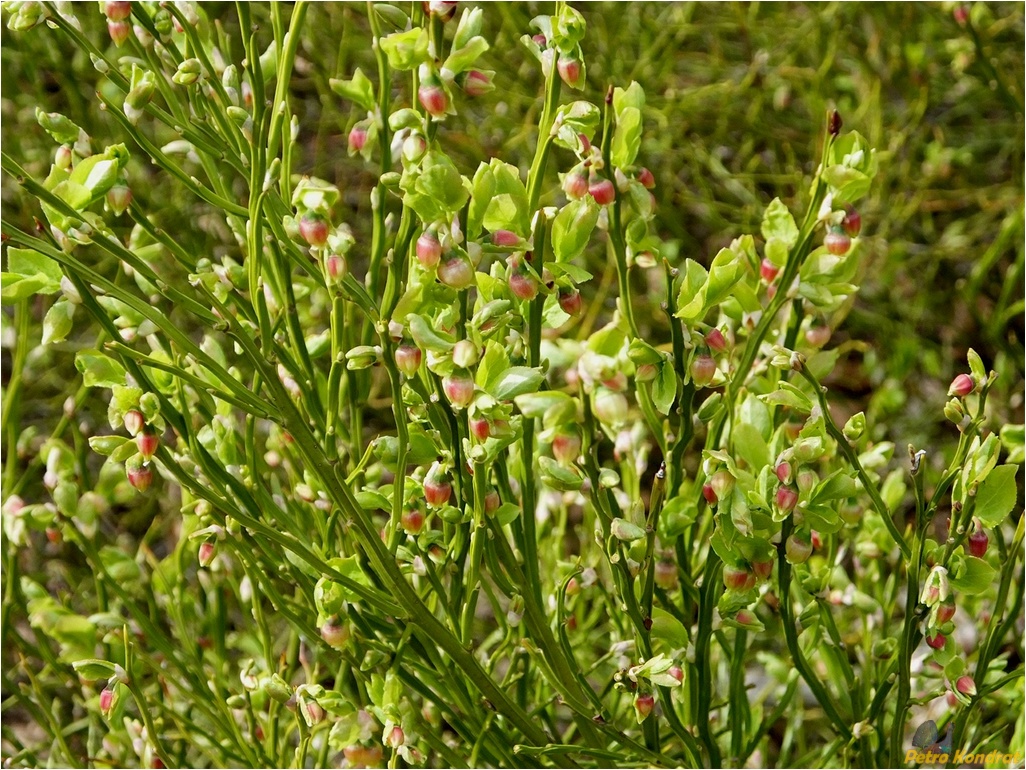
17, 287
107, 445
574, 119
462, 59
677, 515
664, 388
979, 371
778, 223
442, 182
406, 50
99, 371
560, 477
59, 127
751, 446
691, 298
359, 90
57, 322
632, 97
516, 381
996, 496
93, 669
667, 628
572, 228
29, 263
788, 395
426, 337
975, 578
533, 405
626, 138
370, 501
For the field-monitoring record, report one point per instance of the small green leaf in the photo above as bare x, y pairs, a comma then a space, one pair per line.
57, 322
560, 477
17, 287
778, 223
406, 50
626, 138
516, 381
572, 228
691, 298
94, 669
664, 388
995, 497
751, 446
788, 395
976, 577
29, 263
667, 628
99, 371
371, 501
359, 90
425, 335
107, 445
462, 59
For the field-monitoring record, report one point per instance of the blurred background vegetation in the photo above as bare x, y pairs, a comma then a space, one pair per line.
737, 99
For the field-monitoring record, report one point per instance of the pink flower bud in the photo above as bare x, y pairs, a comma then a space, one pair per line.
433, 99
357, 138
787, 498
437, 488
783, 471
524, 286
335, 634
834, 123
63, 157
477, 83
677, 673
797, 549
763, 568
643, 705
962, 386
977, 543
716, 341
429, 249
505, 238
540, 40
966, 685
314, 712
335, 266
134, 421
414, 147
140, 478
575, 183
119, 198
837, 242
709, 494
444, 9
314, 230
395, 738
666, 574
570, 301
768, 271
937, 641
566, 447
459, 389
412, 521
106, 701
945, 612
703, 369
646, 178
570, 70
408, 358
119, 31
602, 190
722, 483
492, 502
738, 578
818, 336
147, 442
117, 11
961, 14
456, 272
852, 222
207, 552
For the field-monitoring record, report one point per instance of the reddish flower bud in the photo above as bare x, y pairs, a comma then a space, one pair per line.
722, 483
119, 198
835, 123
643, 705
336, 267
395, 737
540, 40
837, 242
480, 428
429, 249
437, 489
117, 11
456, 272
140, 478
492, 502
570, 70
570, 301
763, 568
357, 138
505, 238
703, 369
433, 99
716, 341
977, 543
335, 634
966, 685
602, 190
945, 612
783, 471
797, 549
134, 421
314, 230
147, 441
646, 178
768, 271
818, 336
566, 446
412, 521
207, 552
477, 83
63, 157
119, 31
961, 14
738, 578
459, 389
937, 641
106, 701
677, 673
709, 494
816, 539
575, 183
787, 498
524, 286
962, 386
408, 358
852, 222
444, 9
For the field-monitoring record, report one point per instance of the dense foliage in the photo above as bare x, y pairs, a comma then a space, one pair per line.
420, 385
